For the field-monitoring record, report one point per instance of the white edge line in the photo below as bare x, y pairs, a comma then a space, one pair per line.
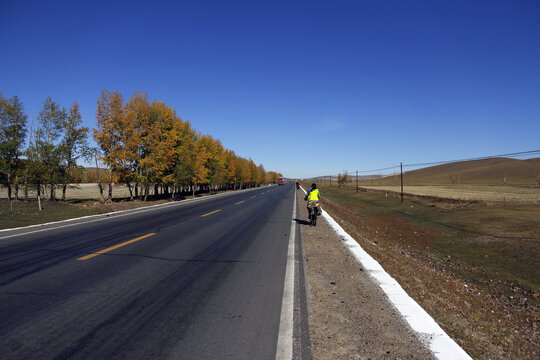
106, 216
286, 330
426, 328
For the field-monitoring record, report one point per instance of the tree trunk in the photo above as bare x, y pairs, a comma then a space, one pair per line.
39, 195
109, 199
9, 184
26, 183
64, 192
16, 186
53, 192
101, 191
130, 191
9, 191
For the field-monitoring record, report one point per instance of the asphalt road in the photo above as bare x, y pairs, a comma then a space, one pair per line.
197, 280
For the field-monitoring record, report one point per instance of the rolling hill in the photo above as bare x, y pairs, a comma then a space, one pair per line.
494, 171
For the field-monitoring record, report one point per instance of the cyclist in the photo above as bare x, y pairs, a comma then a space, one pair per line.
297, 184
313, 194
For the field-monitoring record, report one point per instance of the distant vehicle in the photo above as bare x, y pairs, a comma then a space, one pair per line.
281, 181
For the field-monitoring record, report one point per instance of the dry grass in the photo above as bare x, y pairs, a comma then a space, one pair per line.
470, 192
27, 213
78, 192
474, 268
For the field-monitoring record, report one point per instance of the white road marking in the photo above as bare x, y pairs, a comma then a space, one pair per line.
285, 337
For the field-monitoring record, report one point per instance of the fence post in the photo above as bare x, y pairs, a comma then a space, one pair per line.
401, 170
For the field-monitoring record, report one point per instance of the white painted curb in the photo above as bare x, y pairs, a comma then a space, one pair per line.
427, 330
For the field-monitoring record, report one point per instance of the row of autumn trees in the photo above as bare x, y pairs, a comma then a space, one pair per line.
145, 144
140, 143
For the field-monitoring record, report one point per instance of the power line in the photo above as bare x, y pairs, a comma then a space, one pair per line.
375, 170
530, 152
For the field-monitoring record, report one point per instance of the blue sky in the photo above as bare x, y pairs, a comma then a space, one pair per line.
303, 87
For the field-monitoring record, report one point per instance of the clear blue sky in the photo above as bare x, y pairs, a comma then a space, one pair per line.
303, 87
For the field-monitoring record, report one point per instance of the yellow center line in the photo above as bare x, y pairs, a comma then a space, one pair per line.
240, 202
114, 247
210, 213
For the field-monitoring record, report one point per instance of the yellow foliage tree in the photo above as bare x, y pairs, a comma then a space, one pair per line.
158, 139
108, 133
145, 144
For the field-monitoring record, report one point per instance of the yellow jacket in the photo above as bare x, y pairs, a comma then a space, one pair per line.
313, 195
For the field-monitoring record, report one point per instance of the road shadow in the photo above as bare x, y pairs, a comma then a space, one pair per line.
302, 222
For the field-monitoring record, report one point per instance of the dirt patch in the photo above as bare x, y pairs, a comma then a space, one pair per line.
350, 316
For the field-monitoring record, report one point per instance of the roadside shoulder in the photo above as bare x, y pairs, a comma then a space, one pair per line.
349, 315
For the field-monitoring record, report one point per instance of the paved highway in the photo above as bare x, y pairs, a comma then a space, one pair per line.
199, 279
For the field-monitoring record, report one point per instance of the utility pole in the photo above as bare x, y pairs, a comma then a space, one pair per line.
356, 180
401, 167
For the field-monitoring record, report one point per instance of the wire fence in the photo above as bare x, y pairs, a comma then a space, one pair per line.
498, 181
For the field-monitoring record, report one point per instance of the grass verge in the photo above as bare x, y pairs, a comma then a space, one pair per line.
474, 268
26, 213
505, 194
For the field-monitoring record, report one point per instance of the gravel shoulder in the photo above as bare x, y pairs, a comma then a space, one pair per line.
349, 315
